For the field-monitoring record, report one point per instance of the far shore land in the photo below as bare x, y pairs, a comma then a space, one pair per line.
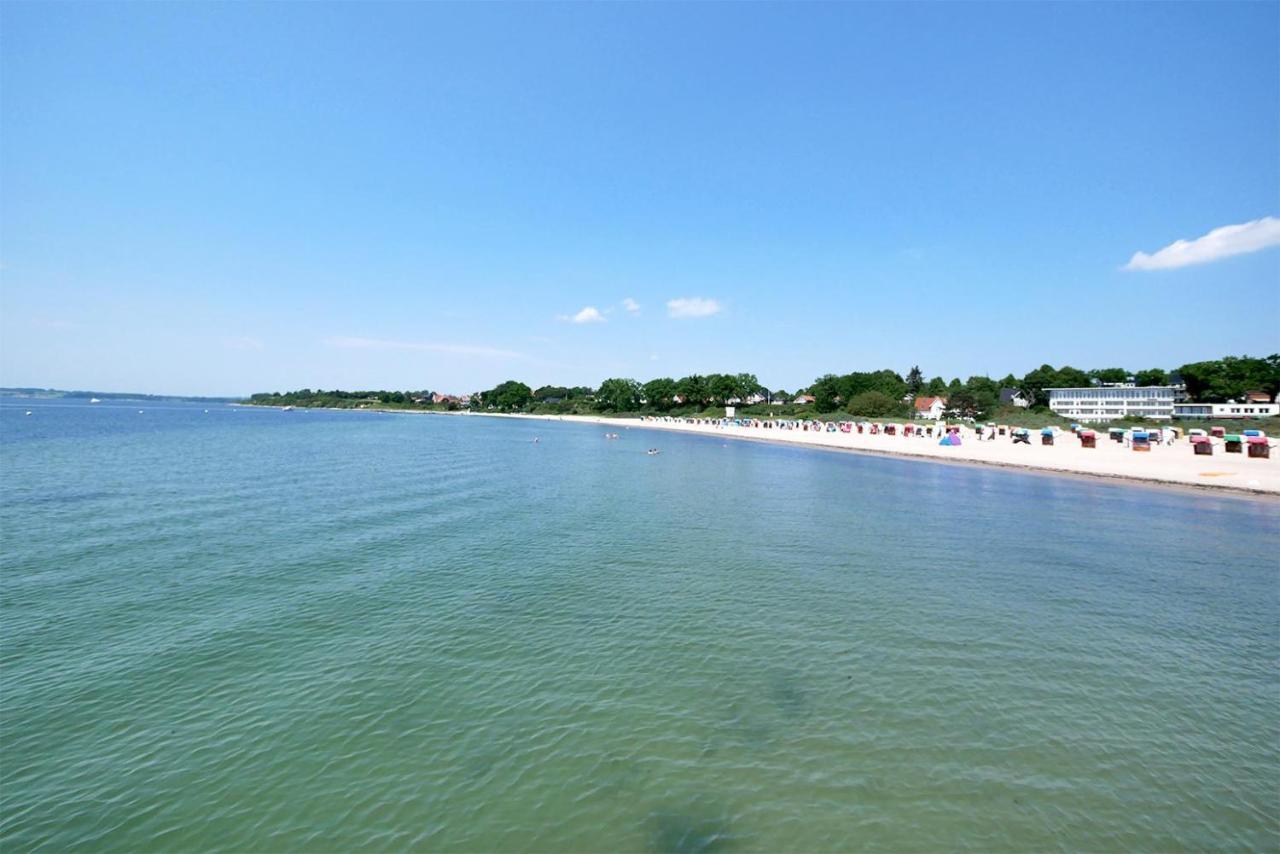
1169, 465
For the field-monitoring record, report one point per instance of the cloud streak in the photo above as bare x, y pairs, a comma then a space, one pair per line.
589, 314
1220, 243
631, 305
687, 307
354, 343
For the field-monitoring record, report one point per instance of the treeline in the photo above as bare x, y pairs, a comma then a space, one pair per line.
338, 399
871, 394
879, 394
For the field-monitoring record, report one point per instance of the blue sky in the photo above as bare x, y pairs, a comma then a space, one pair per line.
229, 198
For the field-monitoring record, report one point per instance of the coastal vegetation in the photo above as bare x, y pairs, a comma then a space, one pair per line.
867, 394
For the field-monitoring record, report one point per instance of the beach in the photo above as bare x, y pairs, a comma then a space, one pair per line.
1174, 464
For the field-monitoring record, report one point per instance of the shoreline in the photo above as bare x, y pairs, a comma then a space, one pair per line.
1173, 467
1164, 467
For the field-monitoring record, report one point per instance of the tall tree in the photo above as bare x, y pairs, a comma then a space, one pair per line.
915, 381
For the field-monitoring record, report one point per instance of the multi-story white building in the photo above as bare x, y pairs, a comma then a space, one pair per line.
1107, 403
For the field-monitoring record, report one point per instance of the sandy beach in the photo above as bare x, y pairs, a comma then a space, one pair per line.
1173, 465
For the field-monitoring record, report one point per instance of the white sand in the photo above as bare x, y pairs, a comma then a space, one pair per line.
1166, 464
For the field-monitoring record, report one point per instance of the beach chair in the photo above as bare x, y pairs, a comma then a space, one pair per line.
1218, 432
1234, 443
1141, 440
1259, 447
1088, 439
1116, 434
1046, 436
1201, 446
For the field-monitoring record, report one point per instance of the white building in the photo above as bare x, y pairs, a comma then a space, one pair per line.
1230, 409
1111, 403
930, 407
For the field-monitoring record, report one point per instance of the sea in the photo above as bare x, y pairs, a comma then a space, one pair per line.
227, 628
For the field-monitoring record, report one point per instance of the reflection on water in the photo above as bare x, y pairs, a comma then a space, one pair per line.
249, 630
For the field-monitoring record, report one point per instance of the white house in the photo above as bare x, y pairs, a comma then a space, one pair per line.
930, 408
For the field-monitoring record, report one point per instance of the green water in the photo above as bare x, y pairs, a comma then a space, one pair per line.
250, 629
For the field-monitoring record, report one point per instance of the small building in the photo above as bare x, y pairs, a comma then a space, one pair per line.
1257, 397
930, 408
803, 399
1228, 410
1014, 397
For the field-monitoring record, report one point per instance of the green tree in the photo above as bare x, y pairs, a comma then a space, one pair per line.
693, 390
915, 381
659, 393
722, 386
550, 391
618, 395
1230, 377
937, 387
875, 404
507, 396
826, 393
973, 401
1151, 376
1109, 375
746, 385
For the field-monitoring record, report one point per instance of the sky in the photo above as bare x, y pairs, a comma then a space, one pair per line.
229, 198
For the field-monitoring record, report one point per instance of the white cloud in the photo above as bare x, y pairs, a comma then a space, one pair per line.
590, 314
1220, 243
631, 305
693, 307
352, 343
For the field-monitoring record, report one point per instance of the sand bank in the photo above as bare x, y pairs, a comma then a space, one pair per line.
1173, 464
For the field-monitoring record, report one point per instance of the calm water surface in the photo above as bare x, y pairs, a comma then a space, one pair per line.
254, 629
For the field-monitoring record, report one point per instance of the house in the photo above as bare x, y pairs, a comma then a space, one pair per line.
1014, 397
1256, 397
930, 407
803, 399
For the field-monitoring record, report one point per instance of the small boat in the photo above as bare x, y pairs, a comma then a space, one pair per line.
94, 400
653, 452
288, 409
28, 412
